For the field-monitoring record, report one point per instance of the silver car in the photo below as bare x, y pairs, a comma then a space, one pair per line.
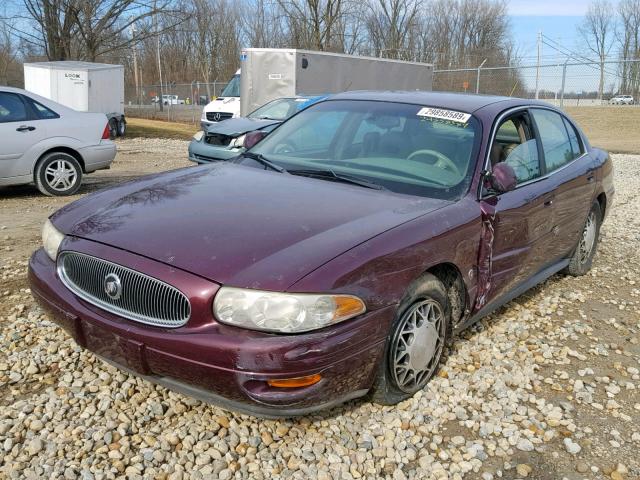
49, 144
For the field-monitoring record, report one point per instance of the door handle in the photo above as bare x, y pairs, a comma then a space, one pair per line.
548, 203
590, 178
25, 128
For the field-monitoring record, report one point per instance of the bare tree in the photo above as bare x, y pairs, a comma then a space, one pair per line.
390, 25
89, 29
313, 23
598, 32
629, 42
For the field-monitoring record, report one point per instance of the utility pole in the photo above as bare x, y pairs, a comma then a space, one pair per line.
538, 65
161, 98
478, 75
135, 63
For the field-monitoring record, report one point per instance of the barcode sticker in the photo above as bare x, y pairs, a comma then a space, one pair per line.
441, 114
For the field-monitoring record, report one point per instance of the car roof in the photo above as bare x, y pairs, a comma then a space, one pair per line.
465, 102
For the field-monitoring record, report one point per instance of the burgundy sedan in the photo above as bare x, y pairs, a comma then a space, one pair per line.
333, 259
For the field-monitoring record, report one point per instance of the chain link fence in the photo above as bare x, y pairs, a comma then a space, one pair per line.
181, 102
564, 84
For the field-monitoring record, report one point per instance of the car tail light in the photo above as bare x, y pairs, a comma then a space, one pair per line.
106, 134
295, 382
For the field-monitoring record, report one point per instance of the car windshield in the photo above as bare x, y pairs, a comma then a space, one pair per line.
233, 88
405, 148
279, 109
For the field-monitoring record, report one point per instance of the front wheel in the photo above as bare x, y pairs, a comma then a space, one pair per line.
416, 342
582, 257
58, 174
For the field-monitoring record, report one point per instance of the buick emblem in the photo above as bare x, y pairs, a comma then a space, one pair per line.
112, 286
216, 117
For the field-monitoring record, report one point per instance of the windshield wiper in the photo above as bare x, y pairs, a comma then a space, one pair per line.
331, 175
258, 157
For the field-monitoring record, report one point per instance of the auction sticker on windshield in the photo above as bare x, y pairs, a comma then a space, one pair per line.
441, 114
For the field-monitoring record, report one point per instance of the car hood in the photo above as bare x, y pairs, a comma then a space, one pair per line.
238, 225
234, 127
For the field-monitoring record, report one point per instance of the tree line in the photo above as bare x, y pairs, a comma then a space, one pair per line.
201, 39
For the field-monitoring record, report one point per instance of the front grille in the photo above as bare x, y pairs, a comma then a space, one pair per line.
139, 297
218, 116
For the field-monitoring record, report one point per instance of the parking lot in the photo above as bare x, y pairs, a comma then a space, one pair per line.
545, 388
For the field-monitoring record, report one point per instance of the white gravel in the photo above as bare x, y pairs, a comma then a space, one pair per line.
545, 388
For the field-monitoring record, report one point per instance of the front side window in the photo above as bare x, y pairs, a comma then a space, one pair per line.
515, 144
12, 108
394, 145
554, 137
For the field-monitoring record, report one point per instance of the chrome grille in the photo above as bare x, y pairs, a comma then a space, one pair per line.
218, 116
140, 298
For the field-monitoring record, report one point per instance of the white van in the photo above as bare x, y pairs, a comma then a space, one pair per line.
226, 106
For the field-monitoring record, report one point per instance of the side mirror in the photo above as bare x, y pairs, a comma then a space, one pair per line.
251, 138
502, 178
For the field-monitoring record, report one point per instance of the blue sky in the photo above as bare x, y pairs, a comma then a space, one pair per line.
557, 19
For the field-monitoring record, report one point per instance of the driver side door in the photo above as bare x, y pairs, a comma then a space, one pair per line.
518, 224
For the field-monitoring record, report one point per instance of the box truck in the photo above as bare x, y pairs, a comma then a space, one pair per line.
270, 73
83, 86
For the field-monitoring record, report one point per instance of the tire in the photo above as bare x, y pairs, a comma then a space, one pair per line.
122, 127
414, 341
58, 174
113, 127
584, 252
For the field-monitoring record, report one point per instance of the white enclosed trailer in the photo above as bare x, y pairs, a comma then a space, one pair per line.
83, 86
270, 73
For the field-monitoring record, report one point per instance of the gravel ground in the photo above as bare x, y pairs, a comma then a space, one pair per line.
546, 388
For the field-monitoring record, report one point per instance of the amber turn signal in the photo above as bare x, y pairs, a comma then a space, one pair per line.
295, 382
347, 307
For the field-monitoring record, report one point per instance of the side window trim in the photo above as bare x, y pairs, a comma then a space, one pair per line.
542, 163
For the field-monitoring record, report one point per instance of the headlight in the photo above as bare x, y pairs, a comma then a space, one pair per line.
237, 142
283, 312
198, 135
51, 239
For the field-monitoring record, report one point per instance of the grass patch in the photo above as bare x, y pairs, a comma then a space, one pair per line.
142, 127
616, 129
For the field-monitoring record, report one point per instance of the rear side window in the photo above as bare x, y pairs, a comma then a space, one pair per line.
42, 112
554, 137
12, 108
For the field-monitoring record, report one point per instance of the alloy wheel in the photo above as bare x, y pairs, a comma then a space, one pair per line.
60, 175
417, 345
588, 239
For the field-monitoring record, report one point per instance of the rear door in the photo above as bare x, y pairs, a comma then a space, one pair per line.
20, 130
571, 174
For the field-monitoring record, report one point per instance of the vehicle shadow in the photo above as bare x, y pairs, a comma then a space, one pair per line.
90, 184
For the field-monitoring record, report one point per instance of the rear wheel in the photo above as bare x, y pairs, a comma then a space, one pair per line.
416, 342
582, 258
113, 127
58, 174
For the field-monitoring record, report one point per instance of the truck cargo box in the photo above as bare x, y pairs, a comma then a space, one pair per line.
83, 86
270, 73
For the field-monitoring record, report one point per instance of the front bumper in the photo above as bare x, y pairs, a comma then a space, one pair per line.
201, 152
216, 363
